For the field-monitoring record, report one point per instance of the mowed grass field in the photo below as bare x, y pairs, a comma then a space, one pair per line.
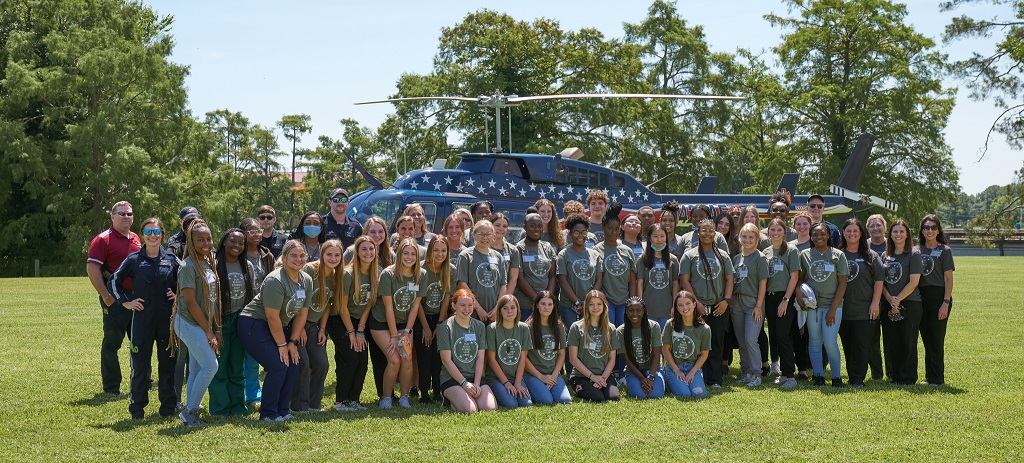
51, 410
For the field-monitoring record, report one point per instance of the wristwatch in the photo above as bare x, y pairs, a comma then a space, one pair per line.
785, 298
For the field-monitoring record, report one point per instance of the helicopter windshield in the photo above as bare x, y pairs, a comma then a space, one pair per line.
361, 209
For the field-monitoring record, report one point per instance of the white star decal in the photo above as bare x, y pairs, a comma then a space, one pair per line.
512, 184
437, 186
470, 182
561, 195
414, 184
459, 187
552, 187
448, 180
615, 198
491, 183
522, 193
542, 195
631, 198
568, 190
579, 197
481, 189
502, 191
645, 196
425, 178
533, 187
623, 193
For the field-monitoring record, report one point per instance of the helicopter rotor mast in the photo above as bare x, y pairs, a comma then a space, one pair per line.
499, 101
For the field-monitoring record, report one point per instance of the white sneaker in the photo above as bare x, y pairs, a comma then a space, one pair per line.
385, 403
356, 405
788, 383
755, 381
778, 380
745, 379
343, 407
775, 369
404, 402
287, 417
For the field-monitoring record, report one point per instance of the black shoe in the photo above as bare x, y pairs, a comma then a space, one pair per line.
415, 391
802, 376
837, 382
819, 380
138, 416
856, 384
116, 392
425, 399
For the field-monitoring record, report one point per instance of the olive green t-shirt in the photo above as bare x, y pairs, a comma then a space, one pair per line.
658, 285
536, 266
821, 270
484, 274
190, 276
749, 271
618, 262
508, 346
403, 292
860, 285
236, 288
580, 270
315, 310
545, 355
780, 268
281, 293
636, 343
433, 293
692, 240
898, 269
590, 347
707, 276
934, 263
510, 257
464, 344
357, 306
688, 344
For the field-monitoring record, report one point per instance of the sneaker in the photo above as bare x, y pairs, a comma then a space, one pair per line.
315, 410
802, 376
745, 379
779, 380
788, 383
286, 417
253, 406
414, 391
837, 382
190, 418
280, 419
426, 400
857, 384
716, 386
138, 416
404, 402
385, 403
775, 369
819, 380
343, 407
356, 405
754, 382
267, 418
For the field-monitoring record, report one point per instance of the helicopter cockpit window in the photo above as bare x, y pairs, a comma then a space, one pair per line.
507, 166
359, 211
570, 174
619, 181
429, 213
560, 173
593, 179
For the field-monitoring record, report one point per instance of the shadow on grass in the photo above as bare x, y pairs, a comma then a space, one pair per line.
98, 399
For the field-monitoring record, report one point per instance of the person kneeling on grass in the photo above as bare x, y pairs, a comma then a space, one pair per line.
544, 362
686, 343
508, 342
641, 341
460, 340
592, 346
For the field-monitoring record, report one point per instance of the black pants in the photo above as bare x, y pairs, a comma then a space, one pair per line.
780, 331
719, 326
349, 366
585, 390
875, 350
148, 326
800, 341
933, 334
901, 342
428, 359
117, 322
856, 335
379, 360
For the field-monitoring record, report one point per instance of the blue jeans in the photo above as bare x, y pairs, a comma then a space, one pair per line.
679, 388
251, 370
506, 400
662, 322
202, 361
280, 380
568, 316
540, 393
616, 314
818, 334
524, 313
636, 391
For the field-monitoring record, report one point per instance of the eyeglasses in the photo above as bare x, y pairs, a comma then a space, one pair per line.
254, 231
929, 228
579, 233
267, 217
339, 199
816, 206
467, 220
153, 232
124, 213
706, 230
780, 209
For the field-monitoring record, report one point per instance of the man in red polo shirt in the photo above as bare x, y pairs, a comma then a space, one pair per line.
106, 252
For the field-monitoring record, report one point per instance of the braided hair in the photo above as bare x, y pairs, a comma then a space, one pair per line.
645, 331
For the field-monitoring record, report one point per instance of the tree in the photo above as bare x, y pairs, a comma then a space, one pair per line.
855, 66
91, 112
293, 126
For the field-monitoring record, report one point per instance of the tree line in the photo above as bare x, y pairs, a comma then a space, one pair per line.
93, 111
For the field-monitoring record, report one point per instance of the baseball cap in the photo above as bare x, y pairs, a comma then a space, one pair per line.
188, 210
337, 191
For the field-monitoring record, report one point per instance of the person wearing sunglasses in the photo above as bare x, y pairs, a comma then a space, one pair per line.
336, 225
936, 295
150, 300
176, 243
106, 253
271, 238
816, 207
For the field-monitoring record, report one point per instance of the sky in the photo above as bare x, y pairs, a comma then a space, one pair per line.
266, 58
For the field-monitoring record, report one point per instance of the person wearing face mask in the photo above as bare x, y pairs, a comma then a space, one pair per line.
311, 234
336, 224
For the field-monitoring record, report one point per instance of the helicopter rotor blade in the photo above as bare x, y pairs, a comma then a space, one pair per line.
623, 95
421, 98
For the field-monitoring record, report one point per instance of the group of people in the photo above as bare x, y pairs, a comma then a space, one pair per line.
466, 317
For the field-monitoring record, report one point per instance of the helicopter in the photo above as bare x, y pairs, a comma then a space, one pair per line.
512, 182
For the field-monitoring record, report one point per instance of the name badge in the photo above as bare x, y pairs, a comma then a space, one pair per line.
743, 273
300, 294
529, 258
414, 287
210, 277
936, 252
858, 260
593, 345
778, 267
589, 245
550, 345
492, 259
829, 267
678, 334
659, 265
506, 257
469, 337
638, 251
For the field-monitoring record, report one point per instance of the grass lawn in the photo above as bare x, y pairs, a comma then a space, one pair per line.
50, 335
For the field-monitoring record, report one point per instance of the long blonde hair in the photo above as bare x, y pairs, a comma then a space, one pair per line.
321, 275
398, 265
354, 266
444, 273
602, 321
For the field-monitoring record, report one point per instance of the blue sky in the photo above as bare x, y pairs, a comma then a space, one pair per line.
270, 58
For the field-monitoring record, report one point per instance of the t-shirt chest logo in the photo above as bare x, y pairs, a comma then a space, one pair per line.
403, 298
614, 264
597, 340
741, 272
854, 270
211, 278
236, 283
294, 305
364, 294
927, 264
540, 265
893, 272
582, 269
682, 347
509, 351
820, 270
434, 294
702, 269
487, 274
548, 351
658, 276
774, 264
314, 302
465, 351
639, 352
